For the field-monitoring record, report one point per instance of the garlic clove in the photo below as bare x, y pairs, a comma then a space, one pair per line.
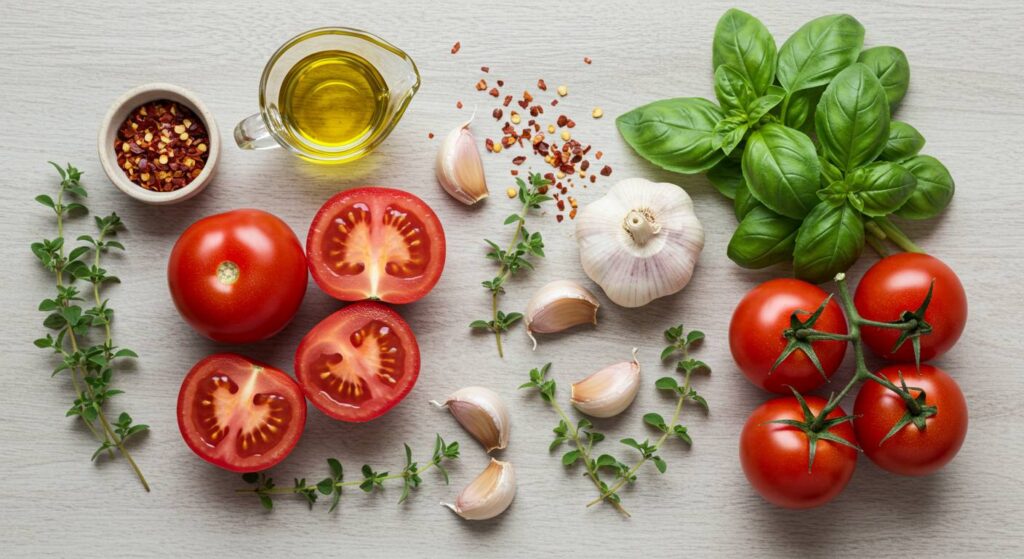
640, 241
459, 169
560, 305
609, 391
488, 495
482, 413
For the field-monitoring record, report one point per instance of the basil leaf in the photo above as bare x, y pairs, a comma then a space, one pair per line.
880, 188
934, 188
763, 238
829, 172
674, 134
727, 177
799, 113
760, 106
744, 203
852, 119
733, 89
904, 141
818, 51
890, 66
829, 241
838, 192
781, 168
743, 43
729, 133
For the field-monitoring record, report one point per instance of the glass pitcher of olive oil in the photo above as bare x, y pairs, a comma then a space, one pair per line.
330, 95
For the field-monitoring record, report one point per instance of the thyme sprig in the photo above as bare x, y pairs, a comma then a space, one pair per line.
371, 480
606, 472
74, 322
523, 246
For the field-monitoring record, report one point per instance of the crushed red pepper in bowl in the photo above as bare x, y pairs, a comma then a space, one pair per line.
162, 146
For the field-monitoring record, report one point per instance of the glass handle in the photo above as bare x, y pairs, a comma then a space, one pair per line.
252, 133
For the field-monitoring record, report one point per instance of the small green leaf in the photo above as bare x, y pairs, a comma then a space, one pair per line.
267, 502
570, 458
655, 420
666, 383
326, 486
45, 200
659, 463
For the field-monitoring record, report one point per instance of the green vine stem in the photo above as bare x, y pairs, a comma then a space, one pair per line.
894, 234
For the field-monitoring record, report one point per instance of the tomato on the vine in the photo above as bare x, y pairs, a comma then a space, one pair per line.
756, 336
239, 414
376, 243
775, 456
900, 283
358, 363
237, 277
911, 451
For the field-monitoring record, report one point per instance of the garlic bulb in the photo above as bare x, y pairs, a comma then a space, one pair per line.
489, 494
559, 305
640, 241
609, 391
481, 412
459, 167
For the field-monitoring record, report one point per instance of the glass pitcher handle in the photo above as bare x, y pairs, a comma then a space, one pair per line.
252, 133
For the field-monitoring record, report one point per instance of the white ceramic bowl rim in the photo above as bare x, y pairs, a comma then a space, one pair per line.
117, 114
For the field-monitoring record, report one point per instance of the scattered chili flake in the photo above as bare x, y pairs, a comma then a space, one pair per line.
562, 120
554, 102
456, 47
497, 114
541, 85
559, 218
587, 60
519, 160
501, 83
458, 104
494, 92
430, 135
162, 146
597, 112
490, 144
605, 171
508, 99
485, 69
599, 154
481, 85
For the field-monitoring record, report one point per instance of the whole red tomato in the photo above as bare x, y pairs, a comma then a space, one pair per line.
900, 283
775, 456
911, 451
237, 277
756, 340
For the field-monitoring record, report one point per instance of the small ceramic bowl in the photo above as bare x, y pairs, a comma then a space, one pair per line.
119, 112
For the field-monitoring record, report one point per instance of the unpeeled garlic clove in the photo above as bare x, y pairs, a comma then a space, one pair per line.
483, 413
460, 170
609, 391
559, 305
489, 494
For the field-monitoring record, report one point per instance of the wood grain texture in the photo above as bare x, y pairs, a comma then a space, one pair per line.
63, 65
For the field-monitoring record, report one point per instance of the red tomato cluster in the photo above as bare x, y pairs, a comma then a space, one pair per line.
776, 440
239, 277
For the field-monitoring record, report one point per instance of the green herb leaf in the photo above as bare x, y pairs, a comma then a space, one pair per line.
828, 242
781, 169
727, 176
934, 189
852, 119
904, 141
675, 134
890, 66
744, 44
819, 50
880, 188
763, 238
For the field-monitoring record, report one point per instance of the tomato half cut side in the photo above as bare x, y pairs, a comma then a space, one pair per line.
358, 363
239, 414
376, 243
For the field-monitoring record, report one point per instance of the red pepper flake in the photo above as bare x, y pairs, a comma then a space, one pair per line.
493, 92
162, 146
456, 47
559, 218
501, 83
458, 104
572, 213
527, 97
541, 85
515, 172
587, 60
599, 154
585, 165
481, 85
561, 205
485, 69
430, 135
490, 144
571, 123
593, 178
605, 171
554, 102
562, 120
508, 99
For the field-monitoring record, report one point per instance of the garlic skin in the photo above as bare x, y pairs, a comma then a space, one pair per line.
459, 169
488, 495
640, 241
608, 392
482, 413
558, 306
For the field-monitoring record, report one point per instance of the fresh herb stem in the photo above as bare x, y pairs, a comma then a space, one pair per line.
898, 237
90, 367
514, 258
877, 245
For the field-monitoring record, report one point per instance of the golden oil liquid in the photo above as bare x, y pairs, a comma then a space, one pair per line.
333, 99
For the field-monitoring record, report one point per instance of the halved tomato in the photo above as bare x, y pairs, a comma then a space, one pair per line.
358, 363
376, 243
239, 414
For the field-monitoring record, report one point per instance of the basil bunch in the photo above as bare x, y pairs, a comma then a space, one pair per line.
802, 140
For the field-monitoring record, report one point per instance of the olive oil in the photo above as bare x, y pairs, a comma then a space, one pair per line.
333, 100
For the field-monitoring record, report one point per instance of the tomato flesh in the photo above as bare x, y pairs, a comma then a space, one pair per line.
775, 456
238, 414
376, 243
358, 363
911, 451
900, 283
756, 340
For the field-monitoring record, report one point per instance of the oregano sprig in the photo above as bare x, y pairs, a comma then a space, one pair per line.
523, 246
371, 480
90, 367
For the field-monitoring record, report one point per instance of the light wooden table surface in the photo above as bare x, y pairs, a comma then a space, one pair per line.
62, 66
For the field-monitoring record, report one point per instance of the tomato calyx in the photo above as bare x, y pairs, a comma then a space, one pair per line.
918, 411
817, 427
801, 334
912, 326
